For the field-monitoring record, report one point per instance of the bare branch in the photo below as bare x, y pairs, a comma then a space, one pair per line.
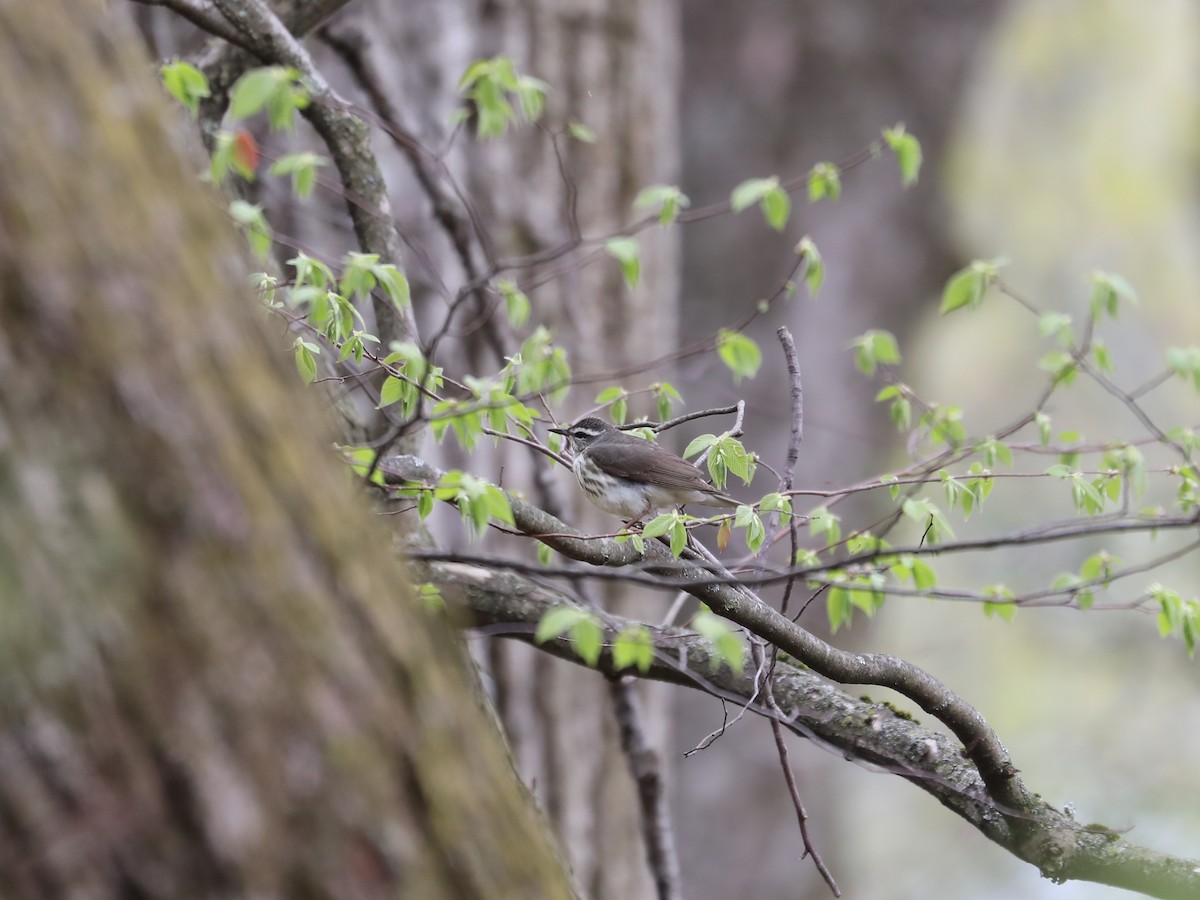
647, 774
659, 427
798, 803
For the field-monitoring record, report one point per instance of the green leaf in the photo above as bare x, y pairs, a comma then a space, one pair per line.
1185, 362
1099, 567
994, 452
1085, 495
729, 454
777, 502
931, 520
619, 410
557, 622
258, 232
806, 558
664, 199
478, 501
823, 523
726, 642
945, 425
252, 91
814, 265
1043, 424
900, 408
581, 132
358, 277
838, 607
393, 391
678, 536
968, 286
498, 505
310, 271
408, 358
587, 639
1057, 325
824, 181
394, 284
907, 150
1177, 615
625, 251
273, 87
1003, 606
659, 525
306, 363
664, 393
699, 445
543, 367
490, 83
739, 353
751, 191
924, 577
755, 532
873, 348
186, 84
776, 206
532, 94
1107, 291
634, 646
614, 397
1061, 366
303, 169
424, 504
516, 304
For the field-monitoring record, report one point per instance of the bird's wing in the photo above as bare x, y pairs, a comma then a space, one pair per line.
659, 466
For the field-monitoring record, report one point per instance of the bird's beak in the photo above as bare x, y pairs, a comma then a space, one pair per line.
558, 430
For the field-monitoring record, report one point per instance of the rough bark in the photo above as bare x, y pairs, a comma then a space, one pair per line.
211, 683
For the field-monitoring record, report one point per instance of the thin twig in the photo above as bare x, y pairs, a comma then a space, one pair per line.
798, 804
646, 768
787, 477
660, 427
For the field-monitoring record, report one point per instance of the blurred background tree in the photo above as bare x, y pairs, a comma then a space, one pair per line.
1062, 136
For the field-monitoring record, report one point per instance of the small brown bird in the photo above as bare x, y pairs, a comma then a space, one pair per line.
631, 477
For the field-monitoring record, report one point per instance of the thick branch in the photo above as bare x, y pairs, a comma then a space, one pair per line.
871, 733
346, 135
981, 743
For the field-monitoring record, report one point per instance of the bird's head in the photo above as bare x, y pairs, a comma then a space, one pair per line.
584, 432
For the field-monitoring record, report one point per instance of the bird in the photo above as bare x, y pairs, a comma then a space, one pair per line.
631, 477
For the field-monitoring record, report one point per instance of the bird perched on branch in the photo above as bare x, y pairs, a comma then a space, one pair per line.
631, 477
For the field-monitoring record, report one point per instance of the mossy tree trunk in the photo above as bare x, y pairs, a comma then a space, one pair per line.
212, 680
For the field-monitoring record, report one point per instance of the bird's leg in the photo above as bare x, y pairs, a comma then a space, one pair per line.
637, 520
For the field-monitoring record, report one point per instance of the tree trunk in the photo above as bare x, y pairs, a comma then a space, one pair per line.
212, 682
